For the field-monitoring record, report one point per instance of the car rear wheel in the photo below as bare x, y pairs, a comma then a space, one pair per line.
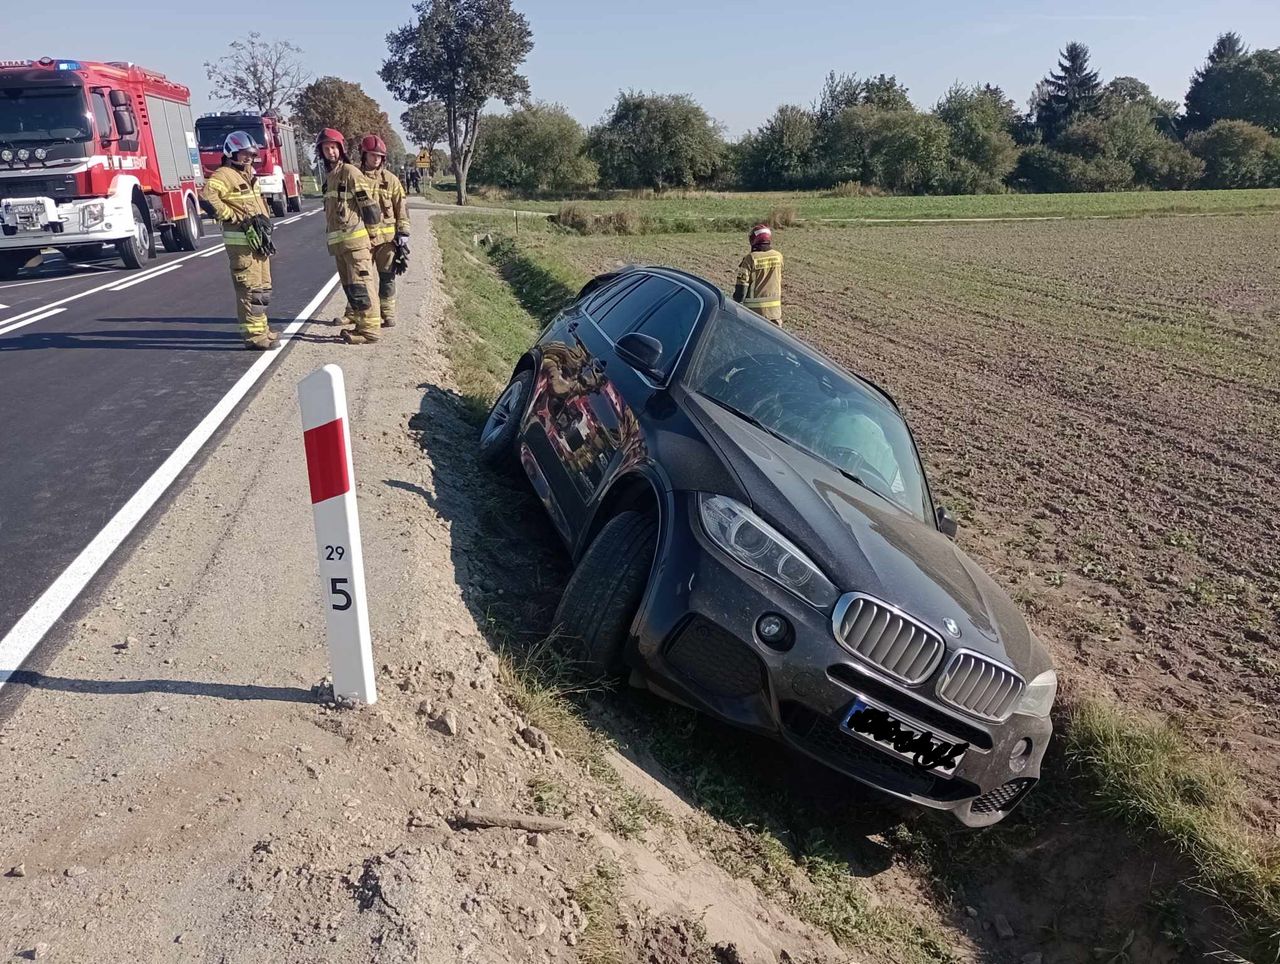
498, 437
599, 604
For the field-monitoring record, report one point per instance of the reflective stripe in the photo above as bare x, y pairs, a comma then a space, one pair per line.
334, 236
235, 238
383, 232
762, 302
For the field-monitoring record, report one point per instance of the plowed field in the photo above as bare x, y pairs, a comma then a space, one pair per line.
1099, 401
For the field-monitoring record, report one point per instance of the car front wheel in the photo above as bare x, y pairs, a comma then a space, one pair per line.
599, 604
498, 437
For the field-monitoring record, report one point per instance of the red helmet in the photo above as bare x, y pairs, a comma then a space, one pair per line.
329, 134
373, 144
760, 234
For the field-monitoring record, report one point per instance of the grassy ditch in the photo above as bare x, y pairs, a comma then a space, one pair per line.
1113, 764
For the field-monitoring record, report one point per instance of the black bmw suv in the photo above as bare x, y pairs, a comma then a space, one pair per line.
754, 537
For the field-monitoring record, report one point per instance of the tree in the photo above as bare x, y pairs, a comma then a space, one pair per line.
340, 104
1239, 86
1237, 154
257, 75
536, 149
425, 123
657, 141
462, 53
885, 93
982, 149
1124, 92
839, 93
899, 150
1073, 91
780, 154
1228, 46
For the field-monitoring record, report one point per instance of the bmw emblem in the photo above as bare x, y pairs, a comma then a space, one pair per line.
952, 628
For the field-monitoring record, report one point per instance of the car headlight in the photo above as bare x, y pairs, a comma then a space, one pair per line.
92, 214
757, 545
1037, 699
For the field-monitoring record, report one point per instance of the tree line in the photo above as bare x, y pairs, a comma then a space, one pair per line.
1077, 134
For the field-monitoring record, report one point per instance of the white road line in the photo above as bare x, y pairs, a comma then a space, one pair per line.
3, 307
212, 251
296, 217
147, 277
85, 294
31, 321
28, 631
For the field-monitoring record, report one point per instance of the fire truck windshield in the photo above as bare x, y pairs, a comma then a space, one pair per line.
43, 114
212, 133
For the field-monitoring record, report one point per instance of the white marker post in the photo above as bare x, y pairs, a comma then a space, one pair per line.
323, 398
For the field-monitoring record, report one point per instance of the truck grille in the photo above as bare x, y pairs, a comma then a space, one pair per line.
979, 686
58, 188
886, 637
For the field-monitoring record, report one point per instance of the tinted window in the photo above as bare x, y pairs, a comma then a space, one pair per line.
671, 323
101, 115
622, 315
599, 301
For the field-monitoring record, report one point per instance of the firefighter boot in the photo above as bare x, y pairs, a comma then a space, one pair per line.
356, 337
262, 342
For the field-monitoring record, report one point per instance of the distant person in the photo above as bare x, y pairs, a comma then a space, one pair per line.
233, 194
350, 210
759, 282
391, 237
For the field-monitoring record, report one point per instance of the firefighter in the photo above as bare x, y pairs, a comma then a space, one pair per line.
391, 237
350, 211
233, 194
759, 281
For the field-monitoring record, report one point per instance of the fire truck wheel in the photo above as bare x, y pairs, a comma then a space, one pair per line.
294, 203
187, 231
169, 239
277, 205
134, 251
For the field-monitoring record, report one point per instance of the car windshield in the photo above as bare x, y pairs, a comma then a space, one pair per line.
802, 398
44, 114
213, 136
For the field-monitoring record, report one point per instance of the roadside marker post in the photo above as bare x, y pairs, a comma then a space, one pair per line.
323, 398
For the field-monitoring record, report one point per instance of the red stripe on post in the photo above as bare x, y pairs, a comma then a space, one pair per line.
326, 460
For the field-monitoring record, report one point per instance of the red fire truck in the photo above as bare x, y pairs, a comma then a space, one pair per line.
278, 175
94, 154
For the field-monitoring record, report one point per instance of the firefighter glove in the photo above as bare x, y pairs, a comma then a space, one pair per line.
402, 242
400, 261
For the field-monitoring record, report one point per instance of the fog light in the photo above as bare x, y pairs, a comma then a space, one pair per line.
23, 153
1020, 755
6, 155
41, 153
773, 630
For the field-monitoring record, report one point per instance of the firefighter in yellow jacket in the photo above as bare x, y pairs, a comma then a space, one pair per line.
759, 282
392, 235
232, 191
350, 211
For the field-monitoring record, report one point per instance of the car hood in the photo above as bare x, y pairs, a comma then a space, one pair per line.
866, 544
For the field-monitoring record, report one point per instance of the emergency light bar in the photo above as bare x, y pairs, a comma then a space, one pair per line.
70, 65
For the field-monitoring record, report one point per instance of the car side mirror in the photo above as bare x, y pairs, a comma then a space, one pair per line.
641, 352
947, 524
124, 122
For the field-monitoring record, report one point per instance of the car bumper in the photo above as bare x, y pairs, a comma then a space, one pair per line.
39, 222
696, 642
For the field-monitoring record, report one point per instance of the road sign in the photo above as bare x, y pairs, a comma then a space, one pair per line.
424, 159
331, 473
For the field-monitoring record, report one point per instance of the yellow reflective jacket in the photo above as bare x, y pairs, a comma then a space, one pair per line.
391, 202
761, 274
348, 203
235, 198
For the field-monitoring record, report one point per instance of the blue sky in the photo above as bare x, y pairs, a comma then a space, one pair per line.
739, 59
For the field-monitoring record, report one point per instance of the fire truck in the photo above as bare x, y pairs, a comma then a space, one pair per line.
94, 154
279, 177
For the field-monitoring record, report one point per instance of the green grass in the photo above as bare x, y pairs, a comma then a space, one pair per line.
811, 205
598, 895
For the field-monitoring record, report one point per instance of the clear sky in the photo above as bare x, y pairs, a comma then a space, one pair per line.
740, 59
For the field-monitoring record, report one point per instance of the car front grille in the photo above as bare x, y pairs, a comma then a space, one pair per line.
1003, 798
980, 686
886, 637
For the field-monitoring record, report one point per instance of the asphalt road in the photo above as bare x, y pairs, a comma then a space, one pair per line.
99, 383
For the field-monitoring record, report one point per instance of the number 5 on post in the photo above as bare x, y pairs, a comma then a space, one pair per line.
331, 475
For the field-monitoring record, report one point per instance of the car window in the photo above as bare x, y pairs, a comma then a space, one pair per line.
800, 396
599, 301
101, 115
623, 314
671, 323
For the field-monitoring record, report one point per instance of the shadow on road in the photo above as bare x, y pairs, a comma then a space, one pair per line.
173, 687
154, 334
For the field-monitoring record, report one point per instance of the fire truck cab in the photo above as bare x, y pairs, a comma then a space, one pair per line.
279, 177
94, 154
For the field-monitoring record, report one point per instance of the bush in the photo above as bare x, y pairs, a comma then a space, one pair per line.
574, 217
1044, 170
781, 217
845, 189
1237, 154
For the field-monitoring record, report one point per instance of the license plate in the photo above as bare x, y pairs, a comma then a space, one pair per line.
883, 729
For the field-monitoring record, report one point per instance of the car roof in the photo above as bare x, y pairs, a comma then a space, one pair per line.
750, 317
